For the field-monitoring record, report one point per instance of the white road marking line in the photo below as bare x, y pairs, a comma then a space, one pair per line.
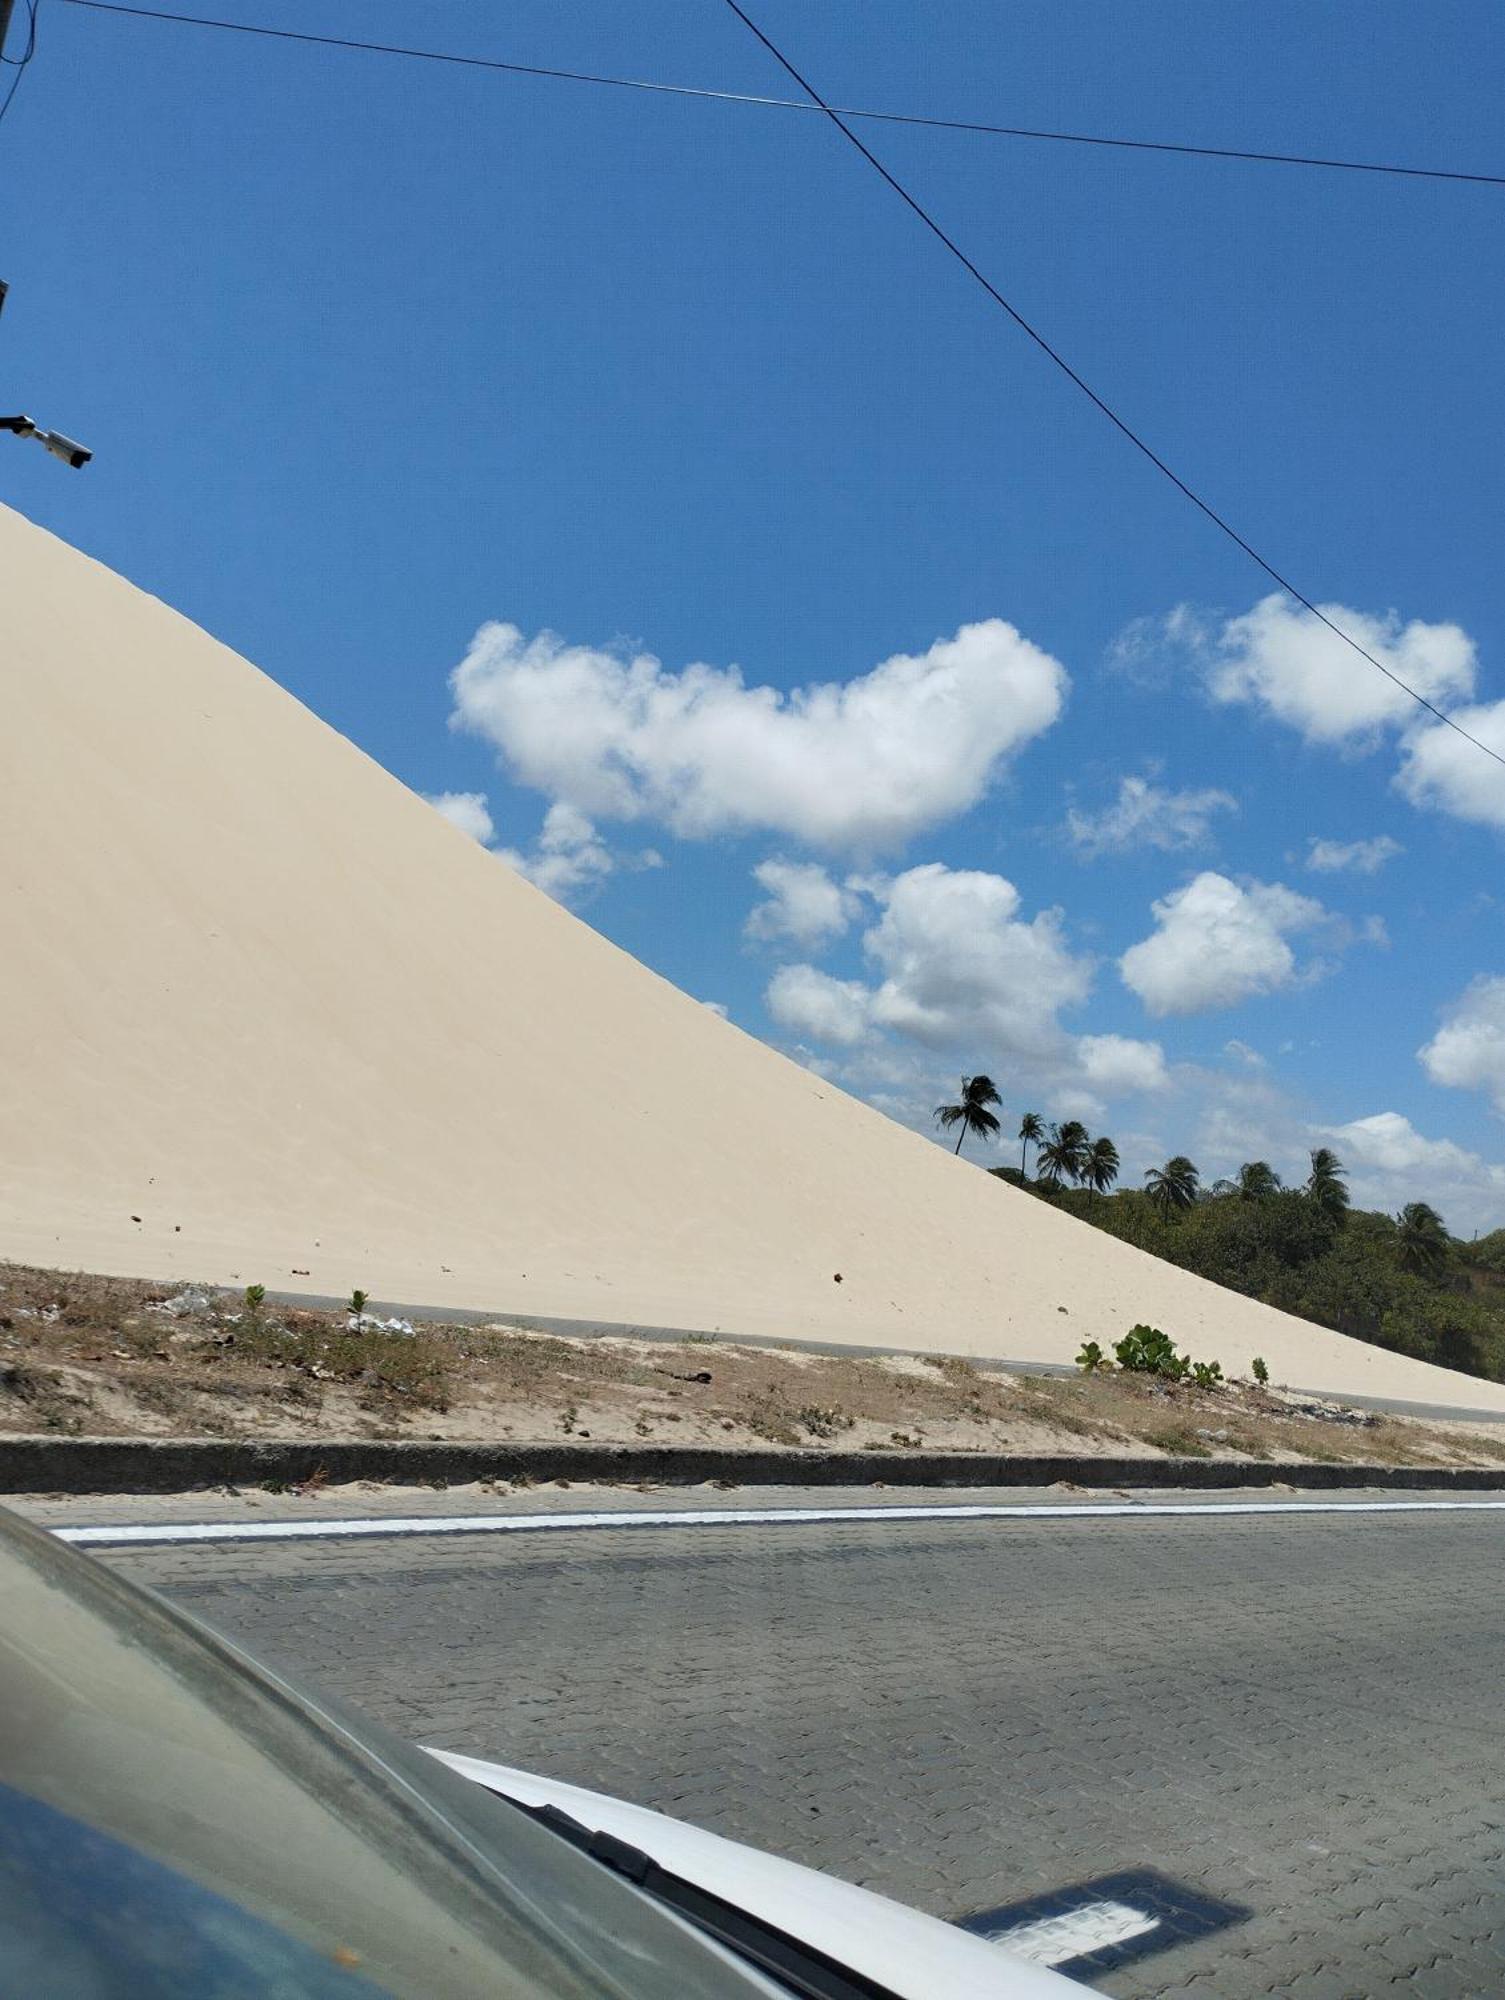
731, 1517
1092, 1927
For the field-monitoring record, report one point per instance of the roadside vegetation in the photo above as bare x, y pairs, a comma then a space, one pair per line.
1398, 1281
103, 1357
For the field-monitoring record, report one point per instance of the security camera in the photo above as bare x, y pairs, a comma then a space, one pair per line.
66, 449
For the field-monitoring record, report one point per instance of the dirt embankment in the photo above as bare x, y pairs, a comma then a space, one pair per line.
108, 1357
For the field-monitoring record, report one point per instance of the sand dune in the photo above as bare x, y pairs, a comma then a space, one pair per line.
269, 1018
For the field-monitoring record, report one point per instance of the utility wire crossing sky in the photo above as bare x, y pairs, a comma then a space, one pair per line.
974, 125
1218, 520
837, 117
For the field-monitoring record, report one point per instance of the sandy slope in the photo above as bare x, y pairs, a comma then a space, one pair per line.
267, 1017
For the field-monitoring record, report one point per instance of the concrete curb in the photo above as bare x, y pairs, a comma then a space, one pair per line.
182, 1465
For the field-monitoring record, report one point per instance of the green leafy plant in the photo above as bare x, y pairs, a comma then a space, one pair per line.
1259, 1371
1092, 1358
357, 1302
1206, 1373
256, 1298
1145, 1350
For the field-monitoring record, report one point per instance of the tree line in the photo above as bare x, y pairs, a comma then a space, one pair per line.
1402, 1282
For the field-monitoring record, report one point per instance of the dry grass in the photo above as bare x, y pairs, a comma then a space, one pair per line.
113, 1357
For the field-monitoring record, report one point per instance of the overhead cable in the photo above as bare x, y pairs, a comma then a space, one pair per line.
1119, 423
976, 126
19, 63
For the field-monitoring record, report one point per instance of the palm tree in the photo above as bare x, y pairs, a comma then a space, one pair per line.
1424, 1239
1173, 1186
1031, 1132
971, 1112
1326, 1185
1257, 1181
1073, 1135
1063, 1156
1100, 1168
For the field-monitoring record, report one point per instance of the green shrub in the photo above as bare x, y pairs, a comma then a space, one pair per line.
1145, 1350
1288, 1251
256, 1298
1092, 1358
1259, 1370
357, 1302
1487, 1254
390, 1369
1454, 1331
1206, 1373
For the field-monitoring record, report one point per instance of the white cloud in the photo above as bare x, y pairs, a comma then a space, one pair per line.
960, 970
805, 906
1146, 815
810, 1002
857, 766
1280, 658
716, 1007
1116, 1064
1216, 943
1442, 770
1468, 1050
467, 811
1241, 1052
957, 966
1387, 1143
1391, 1163
1353, 857
1150, 651
958, 963
568, 857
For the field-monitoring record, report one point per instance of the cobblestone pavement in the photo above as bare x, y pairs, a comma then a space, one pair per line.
1298, 1715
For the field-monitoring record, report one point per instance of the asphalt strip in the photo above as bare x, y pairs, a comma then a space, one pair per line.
728, 1517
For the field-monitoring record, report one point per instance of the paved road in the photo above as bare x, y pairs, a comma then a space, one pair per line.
1292, 1722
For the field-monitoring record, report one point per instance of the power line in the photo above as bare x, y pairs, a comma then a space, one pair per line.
837, 116
1119, 423
18, 63
978, 127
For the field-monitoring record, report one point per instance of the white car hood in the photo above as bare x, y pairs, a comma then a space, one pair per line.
910, 1954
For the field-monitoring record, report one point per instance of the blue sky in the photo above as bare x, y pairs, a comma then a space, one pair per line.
377, 358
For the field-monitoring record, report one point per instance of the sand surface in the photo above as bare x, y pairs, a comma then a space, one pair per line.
269, 1018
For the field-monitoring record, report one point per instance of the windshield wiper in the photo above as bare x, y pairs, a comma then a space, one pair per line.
802, 1968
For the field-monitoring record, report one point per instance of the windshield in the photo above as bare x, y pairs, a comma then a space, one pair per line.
174, 1820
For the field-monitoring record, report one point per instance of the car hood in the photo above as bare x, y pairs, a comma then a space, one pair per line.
900, 1949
